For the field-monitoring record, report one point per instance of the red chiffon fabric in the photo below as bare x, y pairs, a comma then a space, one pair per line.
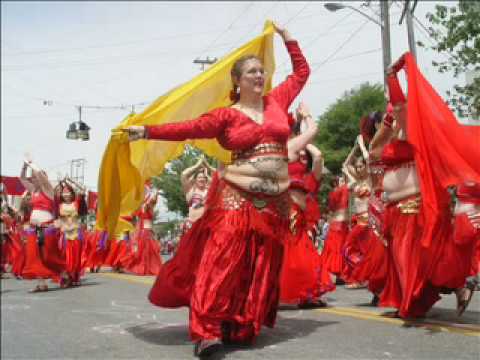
227, 266
18, 253
35, 266
53, 257
95, 250
146, 259
447, 160
332, 255
418, 273
303, 279
118, 255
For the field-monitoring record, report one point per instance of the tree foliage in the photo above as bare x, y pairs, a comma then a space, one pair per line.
339, 126
456, 30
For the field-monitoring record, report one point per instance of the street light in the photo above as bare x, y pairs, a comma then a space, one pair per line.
82, 132
384, 24
336, 6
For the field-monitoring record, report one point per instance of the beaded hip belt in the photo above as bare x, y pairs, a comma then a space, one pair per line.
261, 149
410, 205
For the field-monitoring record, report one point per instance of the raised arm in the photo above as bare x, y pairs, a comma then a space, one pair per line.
383, 135
186, 176
24, 180
42, 179
348, 163
317, 160
288, 90
296, 144
397, 97
208, 126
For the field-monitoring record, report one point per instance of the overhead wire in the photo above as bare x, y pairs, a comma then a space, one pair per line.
228, 27
342, 45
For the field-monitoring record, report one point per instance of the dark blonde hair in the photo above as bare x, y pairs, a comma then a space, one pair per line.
236, 72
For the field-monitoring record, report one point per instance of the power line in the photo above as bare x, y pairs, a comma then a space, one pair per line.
228, 28
320, 35
120, 44
352, 35
298, 13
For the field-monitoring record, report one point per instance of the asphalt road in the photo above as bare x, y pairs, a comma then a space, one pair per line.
109, 317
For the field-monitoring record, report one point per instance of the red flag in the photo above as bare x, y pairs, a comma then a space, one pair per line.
13, 185
92, 200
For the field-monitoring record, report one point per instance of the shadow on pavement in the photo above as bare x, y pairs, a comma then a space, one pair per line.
93, 283
158, 334
286, 329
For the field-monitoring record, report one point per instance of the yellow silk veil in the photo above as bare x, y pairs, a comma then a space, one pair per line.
126, 166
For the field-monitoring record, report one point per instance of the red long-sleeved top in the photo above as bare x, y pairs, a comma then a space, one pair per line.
235, 130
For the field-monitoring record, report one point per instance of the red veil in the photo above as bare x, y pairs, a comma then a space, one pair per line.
446, 152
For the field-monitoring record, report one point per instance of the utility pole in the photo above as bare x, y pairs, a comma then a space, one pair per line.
204, 62
386, 50
77, 170
408, 14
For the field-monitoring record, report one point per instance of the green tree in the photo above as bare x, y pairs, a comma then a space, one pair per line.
456, 30
169, 184
339, 126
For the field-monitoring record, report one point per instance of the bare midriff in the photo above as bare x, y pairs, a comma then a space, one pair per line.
265, 174
339, 215
299, 197
360, 204
147, 224
195, 213
39, 217
467, 208
400, 183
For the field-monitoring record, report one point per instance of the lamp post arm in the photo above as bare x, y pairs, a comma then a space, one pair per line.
366, 15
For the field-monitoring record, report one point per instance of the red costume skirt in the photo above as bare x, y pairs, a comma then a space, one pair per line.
332, 256
417, 274
73, 256
6, 255
95, 249
227, 266
118, 255
302, 279
366, 257
146, 259
18, 253
36, 265
468, 238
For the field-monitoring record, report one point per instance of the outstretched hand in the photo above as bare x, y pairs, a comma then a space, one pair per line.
282, 31
135, 132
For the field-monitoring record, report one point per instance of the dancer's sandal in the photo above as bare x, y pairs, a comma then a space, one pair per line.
39, 288
462, 300
206, 348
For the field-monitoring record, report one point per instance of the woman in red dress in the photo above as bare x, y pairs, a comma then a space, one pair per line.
23, 219
43, 259
423, 256
360, 235
145, 255
364, 248
227, 267
332, 255
302, 280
